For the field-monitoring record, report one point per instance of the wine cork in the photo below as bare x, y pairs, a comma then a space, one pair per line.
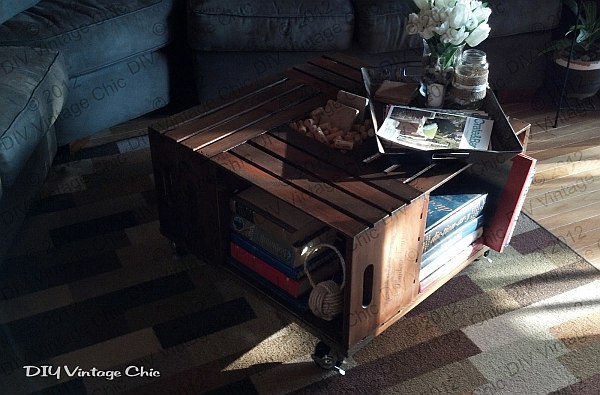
319, 136
329, 133
333, 136
343, 144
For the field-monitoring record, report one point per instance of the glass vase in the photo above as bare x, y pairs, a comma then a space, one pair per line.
469, 85
439, 61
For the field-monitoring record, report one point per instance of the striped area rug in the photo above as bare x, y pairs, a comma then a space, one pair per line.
93, 291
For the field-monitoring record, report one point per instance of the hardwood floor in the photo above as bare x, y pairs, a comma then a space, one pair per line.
565, 195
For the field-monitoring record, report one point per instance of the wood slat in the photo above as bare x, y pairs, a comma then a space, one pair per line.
323, 86
338, 68
276, 104
332, 78
237, 109
437, 175
324, 170
327, 191
261, 126
345, 224
210, 107
374, 175
345, 59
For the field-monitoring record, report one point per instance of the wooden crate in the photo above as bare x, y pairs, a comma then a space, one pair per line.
201, 159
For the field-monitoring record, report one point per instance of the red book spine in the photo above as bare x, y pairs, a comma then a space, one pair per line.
500, 229
265, 270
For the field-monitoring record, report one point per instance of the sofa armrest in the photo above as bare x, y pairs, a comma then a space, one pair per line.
10, 8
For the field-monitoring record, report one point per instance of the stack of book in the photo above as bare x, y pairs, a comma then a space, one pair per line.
271, 239
453, 231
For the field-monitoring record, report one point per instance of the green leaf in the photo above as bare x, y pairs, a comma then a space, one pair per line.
582, 36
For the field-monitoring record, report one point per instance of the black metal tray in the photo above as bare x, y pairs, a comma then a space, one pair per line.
504, 142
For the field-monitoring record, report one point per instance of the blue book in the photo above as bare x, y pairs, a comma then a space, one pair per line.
446, 213
317, 258
468, 231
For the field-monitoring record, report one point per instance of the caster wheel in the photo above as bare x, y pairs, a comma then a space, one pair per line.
327, 359
178, 250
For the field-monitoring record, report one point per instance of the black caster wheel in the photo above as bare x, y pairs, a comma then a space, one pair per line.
327, 359
178, 250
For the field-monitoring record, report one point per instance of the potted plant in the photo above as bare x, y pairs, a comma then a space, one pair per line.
581, 41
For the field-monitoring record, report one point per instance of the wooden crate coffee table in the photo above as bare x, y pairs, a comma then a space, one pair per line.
201, 158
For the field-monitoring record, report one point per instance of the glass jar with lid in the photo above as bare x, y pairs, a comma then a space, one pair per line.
470, 81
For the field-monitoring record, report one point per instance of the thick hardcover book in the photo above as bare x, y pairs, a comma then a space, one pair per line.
500, 229
451, 264
282, 221
427, 129
291, 255
294, 287
445, 213
296, 273
454, 246
300, 304
278, 227
460, 233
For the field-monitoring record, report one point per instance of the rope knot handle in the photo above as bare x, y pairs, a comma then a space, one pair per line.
325, 300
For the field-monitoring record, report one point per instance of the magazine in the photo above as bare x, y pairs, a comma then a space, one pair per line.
432, 129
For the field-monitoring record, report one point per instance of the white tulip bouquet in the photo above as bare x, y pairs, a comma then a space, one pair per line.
446, 25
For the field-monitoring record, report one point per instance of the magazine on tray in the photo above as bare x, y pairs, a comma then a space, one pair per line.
432, 129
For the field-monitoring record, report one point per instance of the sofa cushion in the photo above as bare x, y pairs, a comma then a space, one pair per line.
92, 34
287, 25
511, 17
33, 89
10, 8
113, 95
381, 24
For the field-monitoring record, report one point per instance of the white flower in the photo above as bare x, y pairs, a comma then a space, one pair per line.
412, 28
425, 20
455, 36
476, 4
443, 14
478, 35
482, 14
444, 3
427, 33
442, 29
467, 3
413, 18
422, 4
471, 24
459, 16
451, 22
435, 15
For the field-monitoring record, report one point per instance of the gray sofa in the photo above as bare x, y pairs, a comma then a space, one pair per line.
72, 68
236, 42
69, 69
